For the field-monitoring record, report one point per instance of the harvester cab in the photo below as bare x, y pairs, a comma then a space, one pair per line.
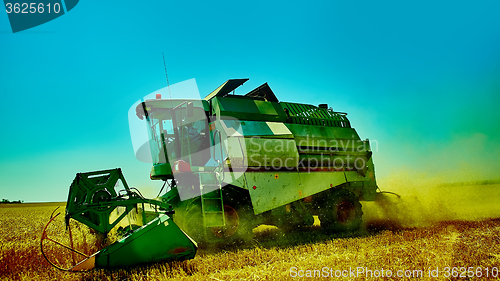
178, 134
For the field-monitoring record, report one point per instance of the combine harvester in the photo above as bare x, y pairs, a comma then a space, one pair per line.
231, 163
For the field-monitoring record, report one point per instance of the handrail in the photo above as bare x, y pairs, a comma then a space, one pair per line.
221, 161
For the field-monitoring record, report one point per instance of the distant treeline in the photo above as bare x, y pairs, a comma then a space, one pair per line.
6, 201
484, 182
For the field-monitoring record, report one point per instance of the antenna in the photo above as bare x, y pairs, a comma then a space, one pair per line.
166, 74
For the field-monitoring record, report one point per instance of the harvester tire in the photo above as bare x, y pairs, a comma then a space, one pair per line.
238, 224
188, 217
341, 212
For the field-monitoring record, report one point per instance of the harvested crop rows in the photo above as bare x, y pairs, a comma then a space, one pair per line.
272, 254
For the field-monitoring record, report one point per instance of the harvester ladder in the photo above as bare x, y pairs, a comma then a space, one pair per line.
212, 205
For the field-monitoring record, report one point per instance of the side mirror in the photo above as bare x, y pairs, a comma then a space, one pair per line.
190, 109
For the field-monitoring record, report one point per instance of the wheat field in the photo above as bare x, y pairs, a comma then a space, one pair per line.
441, 250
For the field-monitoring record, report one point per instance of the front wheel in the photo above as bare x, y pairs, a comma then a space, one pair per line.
341, 211
232, 224
239, 224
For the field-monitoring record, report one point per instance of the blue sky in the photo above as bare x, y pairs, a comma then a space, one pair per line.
422, 79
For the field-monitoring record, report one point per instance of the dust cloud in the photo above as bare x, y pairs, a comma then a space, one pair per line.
426, 200
448, 174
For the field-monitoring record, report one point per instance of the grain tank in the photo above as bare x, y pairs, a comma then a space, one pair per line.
232, 162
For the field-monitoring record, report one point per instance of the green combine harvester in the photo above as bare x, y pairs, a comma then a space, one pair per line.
229, 163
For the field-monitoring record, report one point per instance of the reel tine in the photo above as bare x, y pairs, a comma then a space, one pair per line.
52, 215
71, 248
